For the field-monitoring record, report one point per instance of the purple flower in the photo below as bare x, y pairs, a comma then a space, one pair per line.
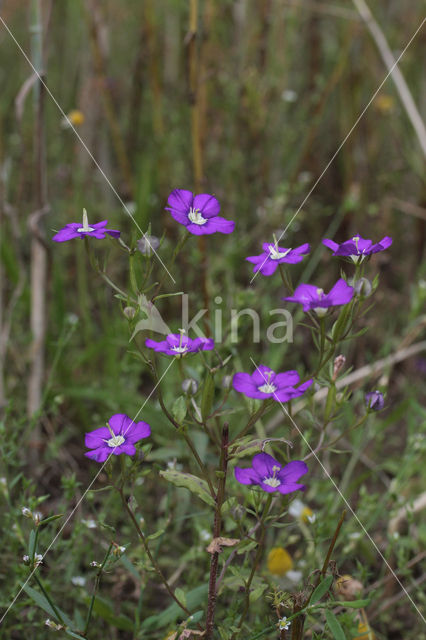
265, 383
77, 230
313, 298
273, 255
176, 344
374, 401
271, 476
119, 436
199, 214
357, 248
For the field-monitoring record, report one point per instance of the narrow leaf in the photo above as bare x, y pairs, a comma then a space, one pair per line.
335, 626
207, 397
321, 590
192, 483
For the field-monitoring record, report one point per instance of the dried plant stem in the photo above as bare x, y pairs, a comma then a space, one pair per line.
220, 497
39, 253
396, 75
196, 119
93, 17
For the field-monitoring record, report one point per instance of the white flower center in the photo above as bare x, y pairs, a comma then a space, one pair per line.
85, 228
267, 388
272, 482
183, 349
115, 441
195, 216
275, 254
320, 311
358, 257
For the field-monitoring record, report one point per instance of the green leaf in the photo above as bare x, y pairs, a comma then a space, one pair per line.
104, 610
44, 604
207, 397
321, 590
73, 634
180, 595
351, 604
155, 535
50, 519
194, 599
179, 409
192, 483
31, 543
335, 627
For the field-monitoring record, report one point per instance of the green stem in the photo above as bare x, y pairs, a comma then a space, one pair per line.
252, 420
255, 564
149, 554
49, 600
96, 588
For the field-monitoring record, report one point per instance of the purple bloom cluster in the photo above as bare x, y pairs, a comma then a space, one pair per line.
199, 214
119, 436
77, 230
265, 383
314, 299
357, 248
179, 345
273, 255
271, 476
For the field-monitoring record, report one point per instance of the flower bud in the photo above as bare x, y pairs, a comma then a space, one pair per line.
338, 365
226, 382
148, 244
363, 287
26, 512
374, 401
190, 386
129, 312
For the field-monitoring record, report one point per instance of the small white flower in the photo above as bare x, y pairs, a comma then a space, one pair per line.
26, 512
205, 535
78, 581
90, 524
38, 559
53, 625
37, 517
94, 564
294, 576
3, 482
26, 559
288, 95
283, 624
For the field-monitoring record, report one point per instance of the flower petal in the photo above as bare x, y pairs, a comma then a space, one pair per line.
96, 438
246, 476
330, 244
341, 293
139, 431
293, 471
120, 423
289, 488
99, 455
180, 200
207, 205
263, 463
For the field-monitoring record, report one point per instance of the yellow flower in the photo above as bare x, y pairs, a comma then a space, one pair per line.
365, 631
279, 561
75, 117
307, 515
384, 103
